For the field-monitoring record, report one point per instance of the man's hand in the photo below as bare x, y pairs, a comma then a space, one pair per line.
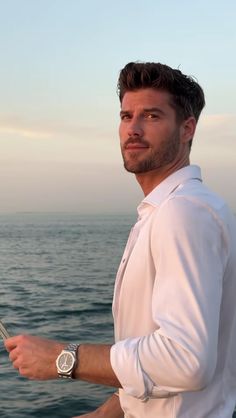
34, 357
94, 414
110, 409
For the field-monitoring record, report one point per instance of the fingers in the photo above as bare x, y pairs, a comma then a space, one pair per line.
14, 354
11, 343
17, 347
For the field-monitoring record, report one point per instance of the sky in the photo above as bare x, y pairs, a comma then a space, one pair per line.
59, 110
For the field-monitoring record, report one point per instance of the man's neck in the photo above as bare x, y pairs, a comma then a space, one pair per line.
148, 181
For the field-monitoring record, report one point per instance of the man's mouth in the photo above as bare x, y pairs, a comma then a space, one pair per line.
135, 146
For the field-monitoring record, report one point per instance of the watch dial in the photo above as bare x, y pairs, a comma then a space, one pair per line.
65, 362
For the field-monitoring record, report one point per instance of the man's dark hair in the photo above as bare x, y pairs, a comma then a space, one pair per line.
187, 95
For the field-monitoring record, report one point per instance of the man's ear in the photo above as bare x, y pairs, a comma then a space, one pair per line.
187, 129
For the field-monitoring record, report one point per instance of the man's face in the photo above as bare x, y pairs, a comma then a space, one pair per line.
149, 132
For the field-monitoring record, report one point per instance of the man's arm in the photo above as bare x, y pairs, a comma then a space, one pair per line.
35, 358
110, 409
94, 365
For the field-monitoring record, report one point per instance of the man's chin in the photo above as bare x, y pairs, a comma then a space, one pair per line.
134, 169
130, 168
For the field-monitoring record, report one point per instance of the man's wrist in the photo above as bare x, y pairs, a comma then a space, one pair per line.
67, 361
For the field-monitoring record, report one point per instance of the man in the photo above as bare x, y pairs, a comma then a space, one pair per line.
174, 299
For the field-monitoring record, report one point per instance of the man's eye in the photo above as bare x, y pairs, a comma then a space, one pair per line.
125, 117
151, 116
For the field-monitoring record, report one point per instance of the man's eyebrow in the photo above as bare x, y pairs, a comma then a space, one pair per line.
124, 112
145, 110
154, 109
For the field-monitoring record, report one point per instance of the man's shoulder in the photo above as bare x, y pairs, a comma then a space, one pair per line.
194, 194
192, 204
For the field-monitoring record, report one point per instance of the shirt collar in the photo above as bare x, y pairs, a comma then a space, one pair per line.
160, 193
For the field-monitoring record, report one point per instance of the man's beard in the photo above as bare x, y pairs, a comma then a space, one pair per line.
164, 155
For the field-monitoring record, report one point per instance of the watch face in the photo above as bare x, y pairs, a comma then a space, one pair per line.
65, 362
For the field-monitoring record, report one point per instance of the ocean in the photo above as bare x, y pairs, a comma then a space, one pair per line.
57, 273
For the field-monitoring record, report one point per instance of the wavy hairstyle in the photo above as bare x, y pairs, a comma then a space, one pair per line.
187, 95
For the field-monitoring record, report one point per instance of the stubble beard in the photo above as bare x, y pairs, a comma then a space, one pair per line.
156, 159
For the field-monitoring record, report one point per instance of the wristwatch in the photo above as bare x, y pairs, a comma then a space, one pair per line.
67, 361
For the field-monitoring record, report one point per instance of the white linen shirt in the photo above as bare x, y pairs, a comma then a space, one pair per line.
174, 305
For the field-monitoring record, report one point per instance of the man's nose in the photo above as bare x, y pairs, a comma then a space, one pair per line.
135, 128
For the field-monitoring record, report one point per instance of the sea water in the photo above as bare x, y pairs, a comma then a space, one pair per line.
57, 273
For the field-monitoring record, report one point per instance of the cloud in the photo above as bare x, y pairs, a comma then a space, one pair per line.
219, 125
55, 140
13, 125
216, 132
209, 121
49, 129
214, 143
26, 133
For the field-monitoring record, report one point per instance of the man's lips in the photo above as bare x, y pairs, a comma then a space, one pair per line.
135, 146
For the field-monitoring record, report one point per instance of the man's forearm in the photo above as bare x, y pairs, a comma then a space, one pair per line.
94, 365
35, 358
111, 408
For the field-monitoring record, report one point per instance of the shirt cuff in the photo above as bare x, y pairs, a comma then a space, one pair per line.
135, 382
126, 365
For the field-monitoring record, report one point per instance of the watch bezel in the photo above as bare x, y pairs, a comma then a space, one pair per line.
72, 351
67, 352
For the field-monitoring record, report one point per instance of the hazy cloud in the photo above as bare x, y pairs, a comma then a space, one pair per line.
215, 138
218, 120
220, 125
26, 133
47, 129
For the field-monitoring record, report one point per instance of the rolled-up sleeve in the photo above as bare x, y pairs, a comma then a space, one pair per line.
126, 364
188, 248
